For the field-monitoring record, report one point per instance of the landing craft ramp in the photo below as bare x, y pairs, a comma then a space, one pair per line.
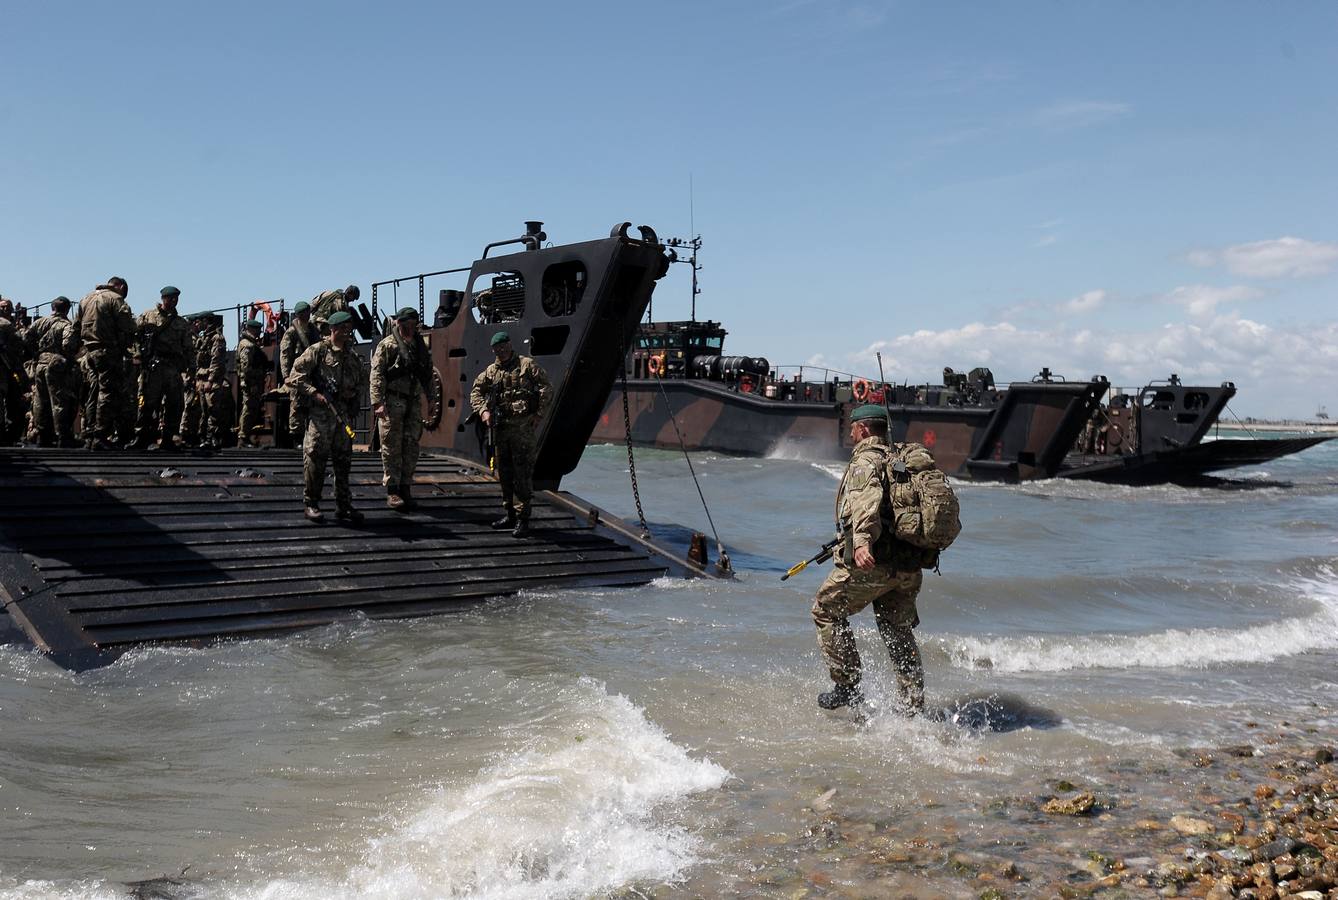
103, 551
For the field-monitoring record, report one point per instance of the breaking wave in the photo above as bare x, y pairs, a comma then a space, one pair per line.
1190, 648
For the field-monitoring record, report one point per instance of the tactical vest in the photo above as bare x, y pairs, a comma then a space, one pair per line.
515, 390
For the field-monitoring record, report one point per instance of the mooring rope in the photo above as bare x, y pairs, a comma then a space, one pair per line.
1240, 423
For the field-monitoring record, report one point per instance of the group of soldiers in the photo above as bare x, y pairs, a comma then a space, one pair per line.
160, 381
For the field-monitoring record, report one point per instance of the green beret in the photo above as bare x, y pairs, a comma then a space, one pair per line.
61, 297
407, 312
339, 318
868, 411
302, 306
501, 337
252, 323
170, 291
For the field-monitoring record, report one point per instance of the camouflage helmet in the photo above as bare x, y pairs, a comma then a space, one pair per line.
868, 411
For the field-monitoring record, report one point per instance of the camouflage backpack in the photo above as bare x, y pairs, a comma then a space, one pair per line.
923, 509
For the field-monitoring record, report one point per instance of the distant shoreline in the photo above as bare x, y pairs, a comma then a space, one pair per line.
1314, 427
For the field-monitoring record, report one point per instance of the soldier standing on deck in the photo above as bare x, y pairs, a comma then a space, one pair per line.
164, 343
13, 376
401, 372
54, 341
252, 366
106, 330
330, 375
211, 379
300, 335
510, 396
869, 567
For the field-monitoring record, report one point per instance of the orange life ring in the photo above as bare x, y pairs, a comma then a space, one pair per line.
655, 365
860, 389
271, 317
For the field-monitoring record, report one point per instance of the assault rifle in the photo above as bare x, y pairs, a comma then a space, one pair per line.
148, 339
328, 391
820, 557
490, 447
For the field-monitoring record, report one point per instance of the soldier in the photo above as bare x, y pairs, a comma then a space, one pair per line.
331, 376
252, 367
300, 335
327, 303
163, 340
510, 396
211, 381
401, 372
192, 404
106, 330
869, 567
54, 341
13, 376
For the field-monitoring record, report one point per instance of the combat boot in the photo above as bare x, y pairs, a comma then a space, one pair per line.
506, 521
314, 514
841, 695
522, 529
395, 501
349, 514
406, 496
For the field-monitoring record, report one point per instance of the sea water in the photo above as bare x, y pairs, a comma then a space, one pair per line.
664, 740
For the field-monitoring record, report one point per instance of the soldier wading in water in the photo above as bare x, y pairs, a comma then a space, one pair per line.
875, 561
510, 396
401, 372
331, 378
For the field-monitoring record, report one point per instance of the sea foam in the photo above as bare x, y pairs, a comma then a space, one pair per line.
1192, 648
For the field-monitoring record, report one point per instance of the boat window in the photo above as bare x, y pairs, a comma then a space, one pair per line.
564, 285
1195, 400
1157, 400
715, 343
503, 300
448, 307
548, 340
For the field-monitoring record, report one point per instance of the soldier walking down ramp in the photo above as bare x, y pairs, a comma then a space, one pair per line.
871, 566
300, 335
327, 303
401, 372
510, 396
330, 375
106, 330
165, 350
252, 367
54, 340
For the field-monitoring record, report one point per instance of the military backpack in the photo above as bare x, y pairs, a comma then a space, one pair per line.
920, 507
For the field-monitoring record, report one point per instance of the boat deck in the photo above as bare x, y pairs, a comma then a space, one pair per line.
100, 552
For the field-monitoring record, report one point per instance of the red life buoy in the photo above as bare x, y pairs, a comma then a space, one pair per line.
271, 317
655, 365
861, 389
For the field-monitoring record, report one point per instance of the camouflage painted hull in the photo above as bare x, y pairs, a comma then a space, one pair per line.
1024, 435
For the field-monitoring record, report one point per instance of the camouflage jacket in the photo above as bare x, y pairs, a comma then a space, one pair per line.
399, 367
11, 346
295, 342
54, 334
322, 369
252, 362
105, 321
167, 336
517, 390
862, 505
326, 304
211, 357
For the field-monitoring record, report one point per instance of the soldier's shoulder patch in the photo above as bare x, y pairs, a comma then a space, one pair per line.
860, 475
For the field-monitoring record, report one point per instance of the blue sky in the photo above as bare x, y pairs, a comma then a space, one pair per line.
1124, 188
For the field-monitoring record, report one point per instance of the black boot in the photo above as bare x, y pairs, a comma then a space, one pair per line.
841, 695
506, 521
522, 529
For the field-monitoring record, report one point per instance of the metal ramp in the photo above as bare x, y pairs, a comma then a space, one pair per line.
103, 551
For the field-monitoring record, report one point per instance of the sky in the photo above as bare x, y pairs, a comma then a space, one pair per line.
1130, 189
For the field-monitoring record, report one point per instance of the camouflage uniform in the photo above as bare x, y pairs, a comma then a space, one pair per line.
209, 416
14, 380
106, 330
295, 341
891, 585
166, 350
397, 381
327, 303
54, 340
517, 393
252, 365
321, 365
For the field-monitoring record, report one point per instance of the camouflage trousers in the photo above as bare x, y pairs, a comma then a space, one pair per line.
161, 396
326, 441
848, 590
299, 410
54, 399
514, 457
249, 396
109, 400
206, 416
400, 431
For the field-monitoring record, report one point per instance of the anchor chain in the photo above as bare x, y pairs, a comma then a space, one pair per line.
631, 461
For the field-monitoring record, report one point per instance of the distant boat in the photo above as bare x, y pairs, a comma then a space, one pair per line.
1322, 414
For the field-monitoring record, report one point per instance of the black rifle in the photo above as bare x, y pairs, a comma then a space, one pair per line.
148, 339
820, 557
328, 391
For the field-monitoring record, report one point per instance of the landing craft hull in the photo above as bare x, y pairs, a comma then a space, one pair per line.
1024, 435
1187, 465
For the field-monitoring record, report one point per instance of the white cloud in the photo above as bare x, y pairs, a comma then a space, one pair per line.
1080, 113
1278, 258
1203, 299
1083, 303
1281, 371
1045, 240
